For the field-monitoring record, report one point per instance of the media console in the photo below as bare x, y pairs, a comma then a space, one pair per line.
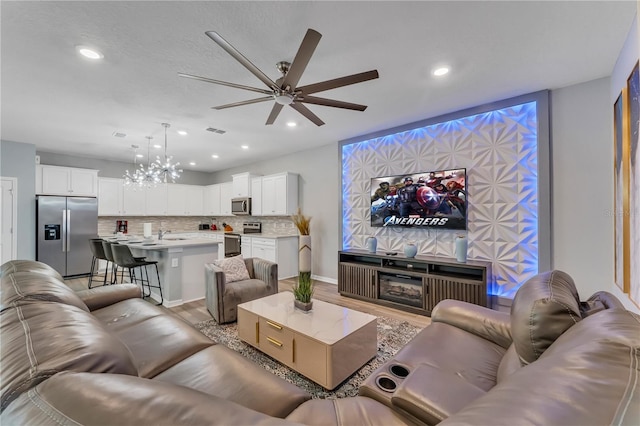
411, 284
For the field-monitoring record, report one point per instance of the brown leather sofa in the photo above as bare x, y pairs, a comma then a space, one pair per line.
105, 356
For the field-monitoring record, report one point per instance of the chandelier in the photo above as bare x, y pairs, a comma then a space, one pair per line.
164, 168
133, 179
141, 177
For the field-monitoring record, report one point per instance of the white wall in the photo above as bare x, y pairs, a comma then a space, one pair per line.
582, 194
18, 160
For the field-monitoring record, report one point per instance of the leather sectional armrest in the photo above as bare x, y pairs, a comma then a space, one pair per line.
491, 325
99, 297
432, 394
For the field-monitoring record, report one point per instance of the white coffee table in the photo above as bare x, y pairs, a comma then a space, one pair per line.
326, 345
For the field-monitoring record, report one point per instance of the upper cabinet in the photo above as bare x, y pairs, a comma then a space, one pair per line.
212, 200
242, 185
68, 181
256, 196
279, 194
226, 190
156, 203
110, 193
185, 200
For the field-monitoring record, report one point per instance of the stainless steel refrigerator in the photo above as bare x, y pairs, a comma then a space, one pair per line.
64, 227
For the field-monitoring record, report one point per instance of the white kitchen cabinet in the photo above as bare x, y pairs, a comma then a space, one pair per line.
134, 201
281, 250
245, 247
280, 194
212, 200
241, 185
225, 198
156, 202
110, 193
184, 200
256, 196
68, 181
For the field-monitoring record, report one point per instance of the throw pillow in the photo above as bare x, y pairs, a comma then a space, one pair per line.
234, 268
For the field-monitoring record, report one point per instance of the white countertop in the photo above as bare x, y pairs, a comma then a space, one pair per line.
262, 235
167, 242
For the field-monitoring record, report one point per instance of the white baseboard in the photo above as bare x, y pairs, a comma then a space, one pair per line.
325, 279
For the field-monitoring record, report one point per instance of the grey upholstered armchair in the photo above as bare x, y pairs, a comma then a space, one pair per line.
223, 298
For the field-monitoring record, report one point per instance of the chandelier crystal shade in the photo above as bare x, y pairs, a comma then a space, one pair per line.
164, 168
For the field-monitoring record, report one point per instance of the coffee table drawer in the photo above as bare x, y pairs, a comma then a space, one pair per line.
278, 345
271, 327
248, 327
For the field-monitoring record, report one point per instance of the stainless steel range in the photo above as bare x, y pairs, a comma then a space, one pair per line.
232, 240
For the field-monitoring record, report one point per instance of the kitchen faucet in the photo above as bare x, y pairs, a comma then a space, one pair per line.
161, 233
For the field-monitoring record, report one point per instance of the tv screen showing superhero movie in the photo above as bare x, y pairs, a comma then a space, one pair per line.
421, 200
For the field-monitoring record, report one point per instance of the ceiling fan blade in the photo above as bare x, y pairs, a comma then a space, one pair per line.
299, 64
330, 102
249, 102
274, 113
339, 82
240, 58
307, 113
224, 83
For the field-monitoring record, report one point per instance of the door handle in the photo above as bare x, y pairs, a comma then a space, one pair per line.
68, 234
64, 230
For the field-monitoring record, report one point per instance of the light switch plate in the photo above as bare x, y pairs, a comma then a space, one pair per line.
174, 262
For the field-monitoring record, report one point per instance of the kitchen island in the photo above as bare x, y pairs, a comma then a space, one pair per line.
180, 265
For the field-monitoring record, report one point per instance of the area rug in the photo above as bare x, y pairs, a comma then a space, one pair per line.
392, 335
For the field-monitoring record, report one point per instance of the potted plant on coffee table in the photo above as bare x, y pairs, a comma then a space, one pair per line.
303, 289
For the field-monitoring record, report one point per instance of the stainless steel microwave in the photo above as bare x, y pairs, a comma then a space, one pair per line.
241, 206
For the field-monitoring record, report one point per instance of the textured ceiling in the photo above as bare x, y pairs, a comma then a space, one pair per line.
62, 103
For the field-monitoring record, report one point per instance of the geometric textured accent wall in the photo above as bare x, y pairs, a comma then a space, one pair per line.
499, 149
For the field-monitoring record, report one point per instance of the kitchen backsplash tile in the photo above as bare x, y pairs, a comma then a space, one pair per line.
271, 225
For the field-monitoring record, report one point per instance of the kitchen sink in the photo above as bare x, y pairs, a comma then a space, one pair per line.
174, 238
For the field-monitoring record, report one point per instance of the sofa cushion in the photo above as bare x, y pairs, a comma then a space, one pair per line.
234, 269
544, 307
111, 399
348, 412
126, 313
25, 286
159, 342
40, 339
14, 266
224, 373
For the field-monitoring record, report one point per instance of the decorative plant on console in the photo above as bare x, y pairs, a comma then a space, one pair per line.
303, 289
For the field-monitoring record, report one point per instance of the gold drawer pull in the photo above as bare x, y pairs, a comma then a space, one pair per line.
275, 342
257, 332
274, 325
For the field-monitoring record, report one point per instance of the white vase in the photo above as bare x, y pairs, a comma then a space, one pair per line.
304, 253
372, 244
410, 249
461, 249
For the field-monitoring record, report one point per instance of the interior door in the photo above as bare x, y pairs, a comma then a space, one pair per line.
8, 219
82, 214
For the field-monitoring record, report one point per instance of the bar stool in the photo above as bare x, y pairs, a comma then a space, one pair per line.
108, 253
124, 259
97, 250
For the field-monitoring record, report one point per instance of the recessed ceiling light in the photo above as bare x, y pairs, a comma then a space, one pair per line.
182, 132
292, 124
88, 52
439, 72
245, 147
157, 146
192, 163
215, 156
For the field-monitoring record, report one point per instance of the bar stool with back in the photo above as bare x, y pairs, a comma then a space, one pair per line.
123, 258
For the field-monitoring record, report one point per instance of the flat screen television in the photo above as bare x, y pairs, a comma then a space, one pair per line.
436, 199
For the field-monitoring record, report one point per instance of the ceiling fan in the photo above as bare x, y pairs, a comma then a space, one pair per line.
284, 91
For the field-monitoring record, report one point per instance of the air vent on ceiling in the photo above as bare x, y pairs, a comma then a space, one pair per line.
218, 131
119, 135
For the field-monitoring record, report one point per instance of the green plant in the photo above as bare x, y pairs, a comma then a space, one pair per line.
303, 289
302, 222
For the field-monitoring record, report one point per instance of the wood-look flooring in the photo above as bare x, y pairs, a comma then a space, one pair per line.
196, 311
